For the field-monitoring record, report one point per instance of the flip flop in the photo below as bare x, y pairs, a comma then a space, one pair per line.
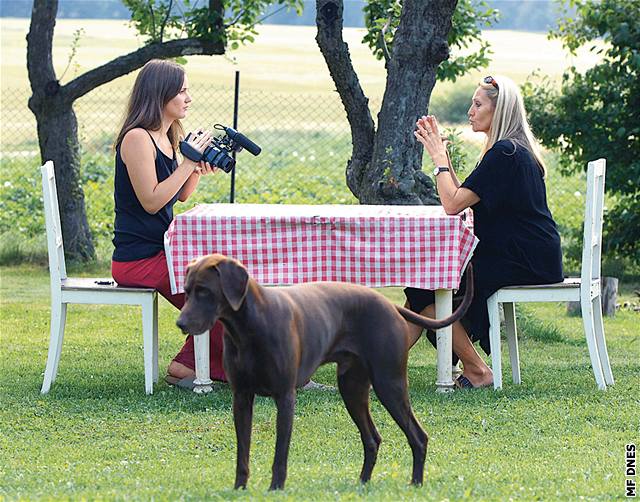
462, 382
183, 383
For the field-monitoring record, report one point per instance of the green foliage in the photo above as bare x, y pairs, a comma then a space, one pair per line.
457, 152
310, 174
231, 22
382, 18
595, 114
75, 43
452, 106
21, 198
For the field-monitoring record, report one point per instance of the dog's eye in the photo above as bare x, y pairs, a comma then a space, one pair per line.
201, 292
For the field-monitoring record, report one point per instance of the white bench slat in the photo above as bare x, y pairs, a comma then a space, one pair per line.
91, 284
569, 282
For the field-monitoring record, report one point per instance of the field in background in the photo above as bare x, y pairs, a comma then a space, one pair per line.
287, 104
284, 59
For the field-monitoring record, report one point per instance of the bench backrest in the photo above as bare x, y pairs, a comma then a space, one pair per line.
592, 238
57, 268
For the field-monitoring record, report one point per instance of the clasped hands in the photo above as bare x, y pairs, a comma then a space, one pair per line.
200, 140
428, 133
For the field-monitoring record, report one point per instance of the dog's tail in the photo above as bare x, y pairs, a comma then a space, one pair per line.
428, 323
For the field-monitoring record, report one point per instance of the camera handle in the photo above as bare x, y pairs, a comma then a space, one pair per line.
189, 152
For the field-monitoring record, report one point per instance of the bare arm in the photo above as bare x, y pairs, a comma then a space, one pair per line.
189, 187
452, 172
138, 153
454, 199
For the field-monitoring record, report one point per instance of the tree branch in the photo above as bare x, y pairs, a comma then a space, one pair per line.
383, 42
164, 21
126, 64
153, 20
40, 43
336, 54
217, 6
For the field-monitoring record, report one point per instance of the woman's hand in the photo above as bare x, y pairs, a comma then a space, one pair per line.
199, 141
428, 134
205, 168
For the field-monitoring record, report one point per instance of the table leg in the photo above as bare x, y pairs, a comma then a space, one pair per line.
203, 384
444, 307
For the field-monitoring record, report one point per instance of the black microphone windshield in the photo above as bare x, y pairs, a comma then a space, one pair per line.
243, 141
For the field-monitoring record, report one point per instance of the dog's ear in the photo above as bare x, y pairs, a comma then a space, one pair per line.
234, 280
189, 267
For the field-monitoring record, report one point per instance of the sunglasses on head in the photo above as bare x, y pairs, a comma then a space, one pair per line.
491, 80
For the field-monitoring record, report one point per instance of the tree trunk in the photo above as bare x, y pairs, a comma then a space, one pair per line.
52, 104
385, 167
57, 131
58, 140
609, 295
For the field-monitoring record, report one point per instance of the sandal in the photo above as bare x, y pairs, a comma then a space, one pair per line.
183, 383
462, 382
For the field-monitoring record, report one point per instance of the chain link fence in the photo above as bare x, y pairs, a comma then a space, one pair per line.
305, 140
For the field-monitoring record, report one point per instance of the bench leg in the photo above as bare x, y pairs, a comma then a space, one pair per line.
147, 342
155, 338
58, 321
494, 341
589, 332
512, 339
601, 342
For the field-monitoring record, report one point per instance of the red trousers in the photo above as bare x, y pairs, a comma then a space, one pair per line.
153, 273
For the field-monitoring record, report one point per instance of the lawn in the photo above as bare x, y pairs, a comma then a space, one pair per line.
98, 436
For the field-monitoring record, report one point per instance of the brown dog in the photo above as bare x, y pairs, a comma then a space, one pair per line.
275, 338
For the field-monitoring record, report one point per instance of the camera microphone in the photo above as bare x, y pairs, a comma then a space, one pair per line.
243, 141
217, 151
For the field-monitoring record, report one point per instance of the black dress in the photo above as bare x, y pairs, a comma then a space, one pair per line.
518, 239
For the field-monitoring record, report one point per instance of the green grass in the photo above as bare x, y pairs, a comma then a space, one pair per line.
98, 436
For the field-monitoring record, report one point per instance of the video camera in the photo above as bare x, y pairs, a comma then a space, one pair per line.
217, 153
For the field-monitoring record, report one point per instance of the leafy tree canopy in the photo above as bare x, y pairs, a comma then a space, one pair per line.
597, 113
382, 18
163, 20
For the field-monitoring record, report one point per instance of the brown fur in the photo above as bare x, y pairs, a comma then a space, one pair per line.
275, 339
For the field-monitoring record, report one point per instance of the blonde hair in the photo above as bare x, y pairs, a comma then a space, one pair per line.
510, 119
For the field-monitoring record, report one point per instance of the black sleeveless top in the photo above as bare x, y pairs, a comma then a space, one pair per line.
138, 234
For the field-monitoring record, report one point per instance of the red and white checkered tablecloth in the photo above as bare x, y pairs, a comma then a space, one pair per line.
376, 246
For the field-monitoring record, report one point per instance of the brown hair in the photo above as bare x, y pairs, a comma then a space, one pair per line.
157, 83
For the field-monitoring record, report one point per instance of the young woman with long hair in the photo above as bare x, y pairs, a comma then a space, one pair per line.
149, 180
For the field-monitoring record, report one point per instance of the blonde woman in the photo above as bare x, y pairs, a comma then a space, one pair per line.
518, 239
